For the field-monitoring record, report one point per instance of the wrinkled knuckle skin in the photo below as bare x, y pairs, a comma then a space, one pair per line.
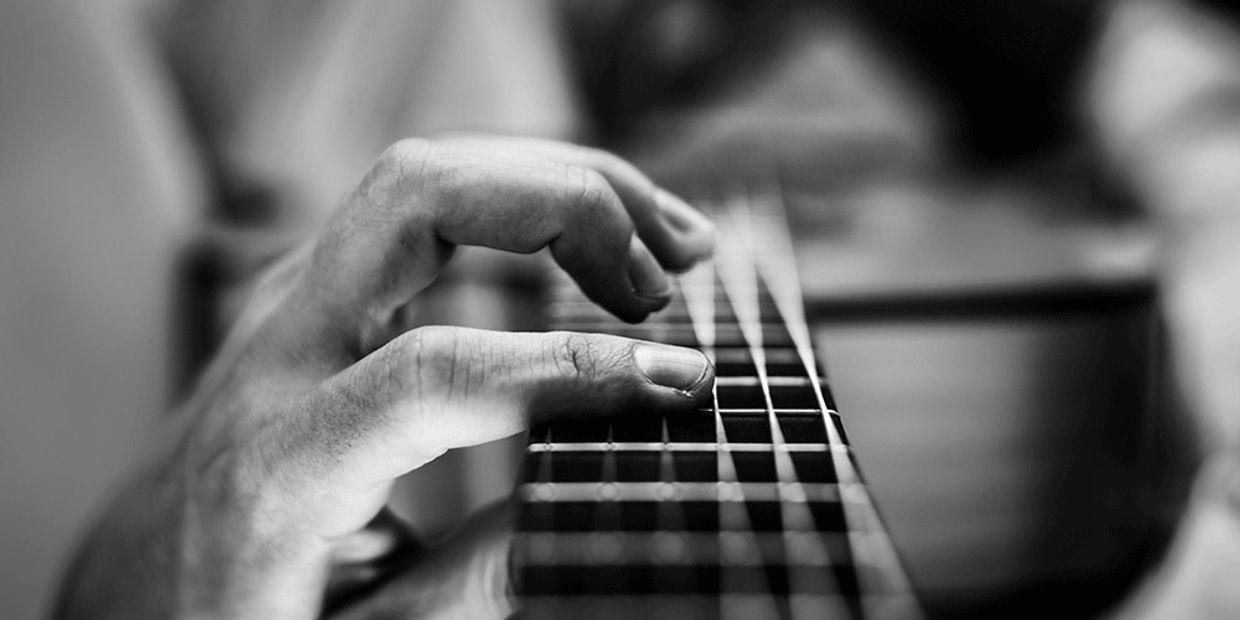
374, 204
577, 358
589, 358
591, 377
425, 359
409, 162
407, 157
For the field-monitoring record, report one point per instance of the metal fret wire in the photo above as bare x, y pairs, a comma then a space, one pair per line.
679, 446
801, 546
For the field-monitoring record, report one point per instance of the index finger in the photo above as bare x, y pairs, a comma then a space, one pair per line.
677, 234
393, 234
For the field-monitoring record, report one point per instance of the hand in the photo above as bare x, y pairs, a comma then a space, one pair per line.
265, 481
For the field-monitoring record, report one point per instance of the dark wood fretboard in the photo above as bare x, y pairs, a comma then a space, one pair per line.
750, 509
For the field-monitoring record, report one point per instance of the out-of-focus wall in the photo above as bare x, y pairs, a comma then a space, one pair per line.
94, 195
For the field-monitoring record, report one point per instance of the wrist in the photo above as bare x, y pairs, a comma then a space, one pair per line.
238, 561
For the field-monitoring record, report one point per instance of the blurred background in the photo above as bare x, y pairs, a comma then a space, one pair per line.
982, 192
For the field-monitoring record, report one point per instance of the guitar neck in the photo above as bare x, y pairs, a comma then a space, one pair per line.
752, 508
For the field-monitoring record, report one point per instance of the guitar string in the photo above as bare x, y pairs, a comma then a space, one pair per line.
737, 540
796, 518
738, 279
784, 298
670, 513
869, 543
808, 587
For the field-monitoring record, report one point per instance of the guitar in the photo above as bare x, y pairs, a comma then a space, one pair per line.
750, 509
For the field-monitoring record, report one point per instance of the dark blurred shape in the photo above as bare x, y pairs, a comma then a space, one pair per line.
1007, 70
633, 56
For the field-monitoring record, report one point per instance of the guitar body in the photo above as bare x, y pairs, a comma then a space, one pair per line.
750, 509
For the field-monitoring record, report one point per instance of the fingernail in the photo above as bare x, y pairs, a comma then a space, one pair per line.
645, 274
673, 367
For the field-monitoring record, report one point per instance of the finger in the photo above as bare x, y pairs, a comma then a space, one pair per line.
394, 233
437, 388
361, 559
385, 536
676, 233
466, 577
689, 222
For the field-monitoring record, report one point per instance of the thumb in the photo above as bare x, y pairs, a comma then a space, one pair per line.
466, 577
437, 388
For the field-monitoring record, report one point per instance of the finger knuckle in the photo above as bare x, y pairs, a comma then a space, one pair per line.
592, 193
398, 370
593, 205
426, 356
587, 358
409, 161
407, 153
576, 357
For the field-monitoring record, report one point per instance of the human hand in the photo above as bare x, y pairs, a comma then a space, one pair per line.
264, 482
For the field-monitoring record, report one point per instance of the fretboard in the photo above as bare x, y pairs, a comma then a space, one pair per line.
750, 509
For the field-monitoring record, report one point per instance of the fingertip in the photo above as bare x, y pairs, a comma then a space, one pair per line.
631, 315
701, 391
645, 274
363, 546
694, 232
706, 240
681, 215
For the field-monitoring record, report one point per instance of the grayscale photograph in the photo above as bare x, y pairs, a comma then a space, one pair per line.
619, 309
